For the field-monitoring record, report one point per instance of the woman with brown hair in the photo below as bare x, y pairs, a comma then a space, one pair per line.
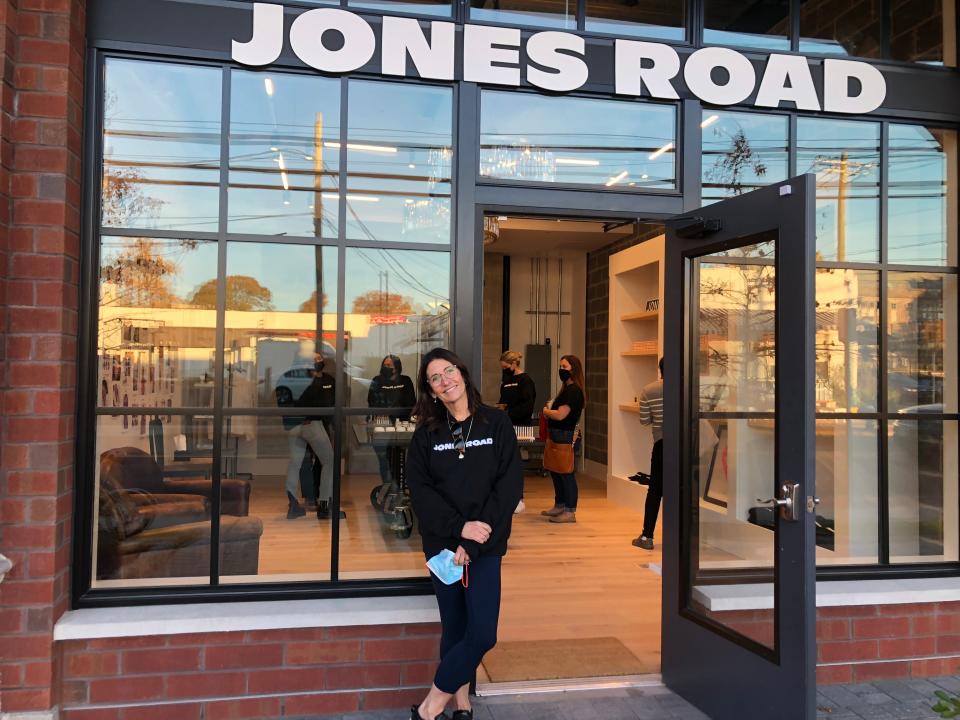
562, 415
463, 470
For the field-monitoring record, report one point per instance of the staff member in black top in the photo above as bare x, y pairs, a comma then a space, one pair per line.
518, 394
464, 475
390, 389
562, 415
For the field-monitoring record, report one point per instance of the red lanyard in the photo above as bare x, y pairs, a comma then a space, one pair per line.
465, 580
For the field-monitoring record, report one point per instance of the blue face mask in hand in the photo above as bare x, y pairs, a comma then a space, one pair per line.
442, 565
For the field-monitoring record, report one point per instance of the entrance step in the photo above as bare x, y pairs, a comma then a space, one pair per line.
529, 687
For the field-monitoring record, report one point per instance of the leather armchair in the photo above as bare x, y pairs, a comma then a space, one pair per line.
140, 536
134, 469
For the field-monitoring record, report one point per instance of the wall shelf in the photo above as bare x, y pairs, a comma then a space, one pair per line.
644, 315
630, 407
639, 353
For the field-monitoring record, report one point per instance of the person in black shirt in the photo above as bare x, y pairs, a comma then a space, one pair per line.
463, 469
562, 415
303, 431
518, 394
390, 389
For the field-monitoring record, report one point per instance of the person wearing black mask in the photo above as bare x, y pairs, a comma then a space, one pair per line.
392, 390
313, 432
562, 415
518, 394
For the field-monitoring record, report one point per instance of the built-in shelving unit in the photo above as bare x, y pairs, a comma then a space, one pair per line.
635, 341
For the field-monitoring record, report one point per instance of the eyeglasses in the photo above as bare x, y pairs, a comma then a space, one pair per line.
459, 443
449, 372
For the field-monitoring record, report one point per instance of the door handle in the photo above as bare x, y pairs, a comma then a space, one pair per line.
788, 502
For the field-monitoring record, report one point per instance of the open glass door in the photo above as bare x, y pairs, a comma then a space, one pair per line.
739, 565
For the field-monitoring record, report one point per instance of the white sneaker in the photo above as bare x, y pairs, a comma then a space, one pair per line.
521, 506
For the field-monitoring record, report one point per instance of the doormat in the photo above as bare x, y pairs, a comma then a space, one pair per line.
512, 661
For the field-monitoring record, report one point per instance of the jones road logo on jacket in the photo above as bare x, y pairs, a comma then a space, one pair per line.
441, 447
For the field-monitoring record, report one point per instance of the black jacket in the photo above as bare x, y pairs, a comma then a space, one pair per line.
485, 485
519, 395
393, 393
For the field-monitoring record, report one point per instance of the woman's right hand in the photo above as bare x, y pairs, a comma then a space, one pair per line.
477, 531
461, 557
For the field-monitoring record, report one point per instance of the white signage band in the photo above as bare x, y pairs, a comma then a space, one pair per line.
491, 56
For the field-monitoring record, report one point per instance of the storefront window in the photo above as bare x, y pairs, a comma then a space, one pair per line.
414, 7
845, 157
922, 343
399, 162
284, 154
161, 149
570, 140
663, 19
762, 25
397, 306
848, 334
741, 152
922, 208
276, 329
923, 32
855, 31
542, 13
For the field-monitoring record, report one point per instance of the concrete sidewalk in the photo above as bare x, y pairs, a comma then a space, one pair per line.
882, 700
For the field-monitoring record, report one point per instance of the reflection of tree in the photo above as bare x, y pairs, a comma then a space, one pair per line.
141, 275
243, 293
728, 169
375, 302
310, 304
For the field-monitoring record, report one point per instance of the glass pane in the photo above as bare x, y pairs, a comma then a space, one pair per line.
284, 154
854, 30
846, 480
274, 471
847, 341
922, 341
275, 330
378, 538
399, 162
923, 490
661, 19
157, 322
161, 146
736, 337
845, 157
732, 460
577, 140
414, 7
397, 307
541, 13
923, 196
760, 25
742, 152
918, 32
154, 500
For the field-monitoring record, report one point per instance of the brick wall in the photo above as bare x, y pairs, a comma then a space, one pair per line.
41, 103
258, 674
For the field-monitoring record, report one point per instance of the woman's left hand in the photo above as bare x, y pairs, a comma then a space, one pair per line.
546, 411
461, 557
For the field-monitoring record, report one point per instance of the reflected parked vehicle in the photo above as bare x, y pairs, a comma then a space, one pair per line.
292, 382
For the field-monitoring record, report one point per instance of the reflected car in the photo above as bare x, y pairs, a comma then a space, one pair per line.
293, 381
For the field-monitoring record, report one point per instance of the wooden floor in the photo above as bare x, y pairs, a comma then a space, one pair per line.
581, 580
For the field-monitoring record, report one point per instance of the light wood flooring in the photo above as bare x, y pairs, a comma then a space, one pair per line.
572, 581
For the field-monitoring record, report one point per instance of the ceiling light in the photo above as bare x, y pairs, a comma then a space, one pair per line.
354, 198
308, 157
280, 160
709, 121
577, 161
411, 166
657, 153
644, 176
616, 178
268, 86
284, 180
362, 146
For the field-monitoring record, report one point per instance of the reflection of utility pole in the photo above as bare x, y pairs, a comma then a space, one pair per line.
847, 170
318, 224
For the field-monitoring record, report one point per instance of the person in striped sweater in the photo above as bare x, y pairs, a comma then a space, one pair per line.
651, 413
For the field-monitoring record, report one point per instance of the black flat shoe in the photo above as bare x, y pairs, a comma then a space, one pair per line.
463, 715
415, 714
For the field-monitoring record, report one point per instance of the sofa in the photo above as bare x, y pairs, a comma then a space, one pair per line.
141, 535
134, 469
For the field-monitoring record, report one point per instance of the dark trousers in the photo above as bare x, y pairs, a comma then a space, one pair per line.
565, 490
468, 618
654, 490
